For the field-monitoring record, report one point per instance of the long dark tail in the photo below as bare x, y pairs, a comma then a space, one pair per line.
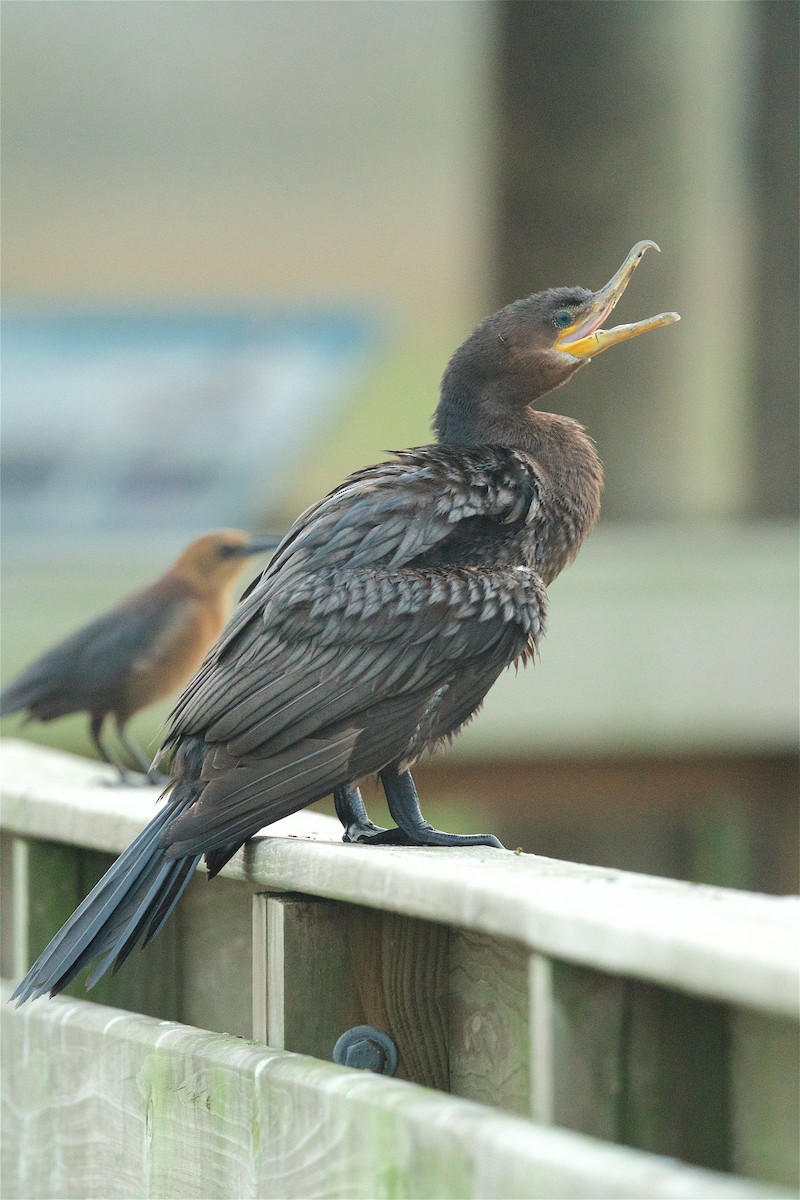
127, 908
16, 697
46, 687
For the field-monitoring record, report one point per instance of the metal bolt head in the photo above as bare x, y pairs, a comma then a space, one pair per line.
366, 1055
366, 1049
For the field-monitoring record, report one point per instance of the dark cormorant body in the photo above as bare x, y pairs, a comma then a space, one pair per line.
386, 614
141, 650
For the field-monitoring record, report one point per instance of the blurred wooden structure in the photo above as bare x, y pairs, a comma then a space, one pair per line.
561, 1029
682, 119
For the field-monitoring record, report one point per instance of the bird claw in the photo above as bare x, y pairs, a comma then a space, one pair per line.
429, 836
376, 835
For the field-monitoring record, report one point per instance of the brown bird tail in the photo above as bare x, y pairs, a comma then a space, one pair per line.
39, 692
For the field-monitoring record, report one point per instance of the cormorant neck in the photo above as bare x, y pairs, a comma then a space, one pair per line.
483, 402
495, 416
569, 472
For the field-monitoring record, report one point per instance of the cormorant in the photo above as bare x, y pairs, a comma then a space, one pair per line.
384, 617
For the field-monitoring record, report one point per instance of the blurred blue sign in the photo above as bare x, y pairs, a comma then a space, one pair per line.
176, 420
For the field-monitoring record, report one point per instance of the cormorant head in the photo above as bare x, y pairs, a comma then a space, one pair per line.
534, 345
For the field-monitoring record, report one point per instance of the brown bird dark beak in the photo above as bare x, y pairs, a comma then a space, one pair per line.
264, 545
585, 338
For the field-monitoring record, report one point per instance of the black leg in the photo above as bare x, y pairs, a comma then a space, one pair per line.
357, 826
139, 757
401, 796
126, 777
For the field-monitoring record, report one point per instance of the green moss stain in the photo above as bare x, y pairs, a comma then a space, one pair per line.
157, 1086
403, 1163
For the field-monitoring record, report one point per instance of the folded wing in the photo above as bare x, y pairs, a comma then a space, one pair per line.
353, 652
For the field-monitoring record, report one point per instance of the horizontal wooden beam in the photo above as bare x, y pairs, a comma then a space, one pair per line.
736, 947
166, 1110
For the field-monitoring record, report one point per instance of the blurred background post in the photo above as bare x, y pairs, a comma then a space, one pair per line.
241, 241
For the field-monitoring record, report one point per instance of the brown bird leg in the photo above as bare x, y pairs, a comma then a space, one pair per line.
401, 796
358, 827
126, 777
140, 758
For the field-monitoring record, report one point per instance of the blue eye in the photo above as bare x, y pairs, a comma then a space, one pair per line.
562, 318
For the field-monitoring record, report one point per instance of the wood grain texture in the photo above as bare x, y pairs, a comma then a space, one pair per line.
488, 1021
332, 966
104, 1103
732, 946
400, 967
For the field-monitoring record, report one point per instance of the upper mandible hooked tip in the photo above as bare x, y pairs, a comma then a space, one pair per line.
640, 248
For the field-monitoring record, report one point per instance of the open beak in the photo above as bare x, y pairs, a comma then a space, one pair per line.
585, 338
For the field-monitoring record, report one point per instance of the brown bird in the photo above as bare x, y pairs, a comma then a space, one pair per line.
141, 650
386, 614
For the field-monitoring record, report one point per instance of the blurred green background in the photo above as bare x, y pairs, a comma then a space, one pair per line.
425, 163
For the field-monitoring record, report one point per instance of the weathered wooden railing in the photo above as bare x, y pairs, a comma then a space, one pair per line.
538, 1002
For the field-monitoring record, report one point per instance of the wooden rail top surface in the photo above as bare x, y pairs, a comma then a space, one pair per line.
737, 947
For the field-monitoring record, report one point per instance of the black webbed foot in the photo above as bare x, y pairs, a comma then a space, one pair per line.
376, 835
351, 811
401, 796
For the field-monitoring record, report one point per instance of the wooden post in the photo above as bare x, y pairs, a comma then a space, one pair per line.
330, 966
542, 1020
765, 1065
642, 1065
303, 991
670, 86
489, 1021
14, 908
212, 939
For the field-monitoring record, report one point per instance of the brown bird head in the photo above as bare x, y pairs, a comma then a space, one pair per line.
214, 561
529, 348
